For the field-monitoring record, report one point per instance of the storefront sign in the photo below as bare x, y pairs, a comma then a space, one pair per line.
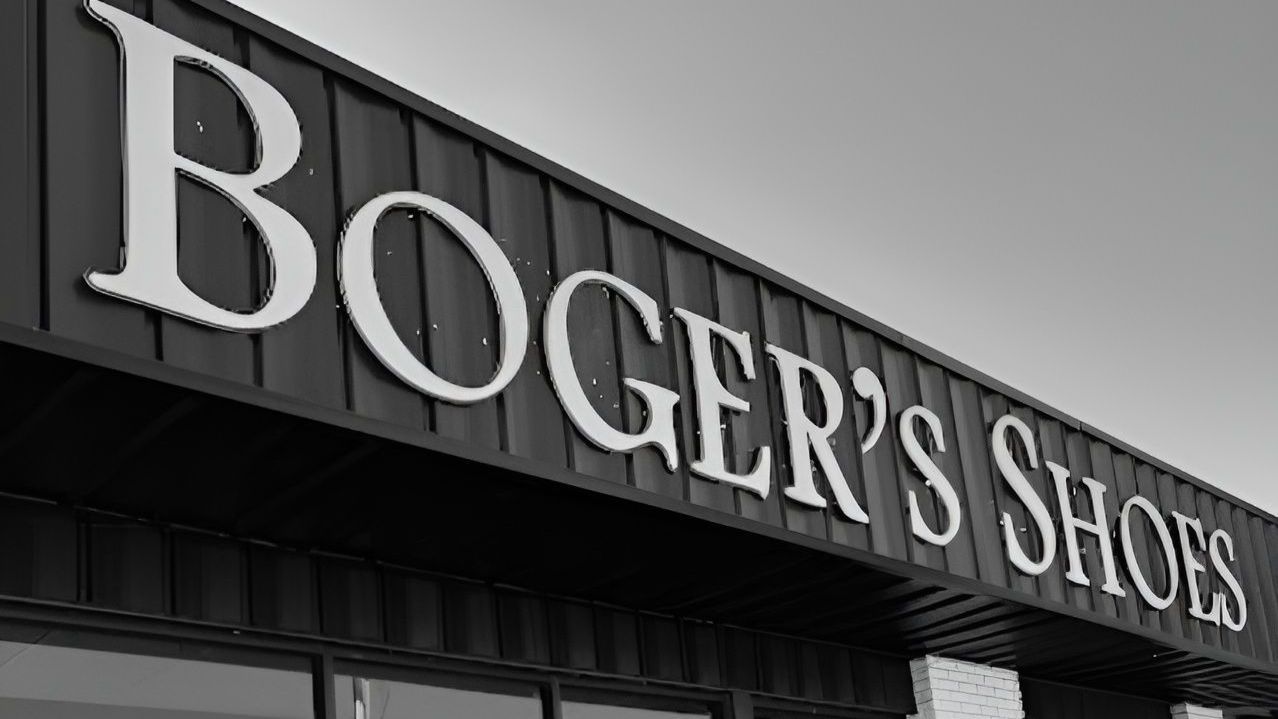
149, 277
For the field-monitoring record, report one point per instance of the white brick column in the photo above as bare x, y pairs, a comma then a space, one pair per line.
1189, 711
951, 689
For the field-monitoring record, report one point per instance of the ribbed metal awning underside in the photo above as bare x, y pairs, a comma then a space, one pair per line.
85, 436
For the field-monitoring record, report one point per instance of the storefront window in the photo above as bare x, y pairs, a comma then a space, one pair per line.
43, 681
591, 710
359, 698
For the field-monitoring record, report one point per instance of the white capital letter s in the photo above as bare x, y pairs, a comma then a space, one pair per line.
1221, 546
150, 272
936, 479
1015, 478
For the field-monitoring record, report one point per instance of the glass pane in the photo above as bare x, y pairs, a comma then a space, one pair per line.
584, 710
39, 681
380, 699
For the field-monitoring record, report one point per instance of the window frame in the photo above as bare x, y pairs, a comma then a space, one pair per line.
324, 658
123, 643
437, 676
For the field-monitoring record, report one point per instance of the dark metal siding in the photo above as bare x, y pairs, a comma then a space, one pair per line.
56, 553
361, 137
308, 485
20, 273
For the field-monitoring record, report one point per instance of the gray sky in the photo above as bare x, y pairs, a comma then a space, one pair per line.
1078, 198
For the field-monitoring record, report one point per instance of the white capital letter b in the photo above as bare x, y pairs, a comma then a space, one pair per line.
150, 273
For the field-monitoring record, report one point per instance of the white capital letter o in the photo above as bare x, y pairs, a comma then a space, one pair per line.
364, 304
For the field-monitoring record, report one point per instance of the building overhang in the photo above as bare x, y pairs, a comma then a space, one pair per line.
134, 437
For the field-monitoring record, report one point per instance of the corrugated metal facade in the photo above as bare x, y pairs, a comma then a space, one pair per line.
119, 564
60, 141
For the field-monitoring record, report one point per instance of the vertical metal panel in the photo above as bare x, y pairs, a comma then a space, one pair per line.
701, 645
578, 243
282, 590
778, 665
827, 672
312, 338
1264, 604
662, 648
883, 500
524, 629
217, 255
689, 287
960, 554
208, 579
824, 345
460, 310
373, 157
20, 158
809, 666
517, 219
414, 611
635, 255
572, 634
470, 619
127, 566
869, 680
739, 655
38, 551
1270, 531
1259, 610
971, 438
783, 326
737, 304
617, 641
83, 213
350, 600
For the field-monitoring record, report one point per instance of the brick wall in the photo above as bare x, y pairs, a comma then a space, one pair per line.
952, 689
1189, 711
